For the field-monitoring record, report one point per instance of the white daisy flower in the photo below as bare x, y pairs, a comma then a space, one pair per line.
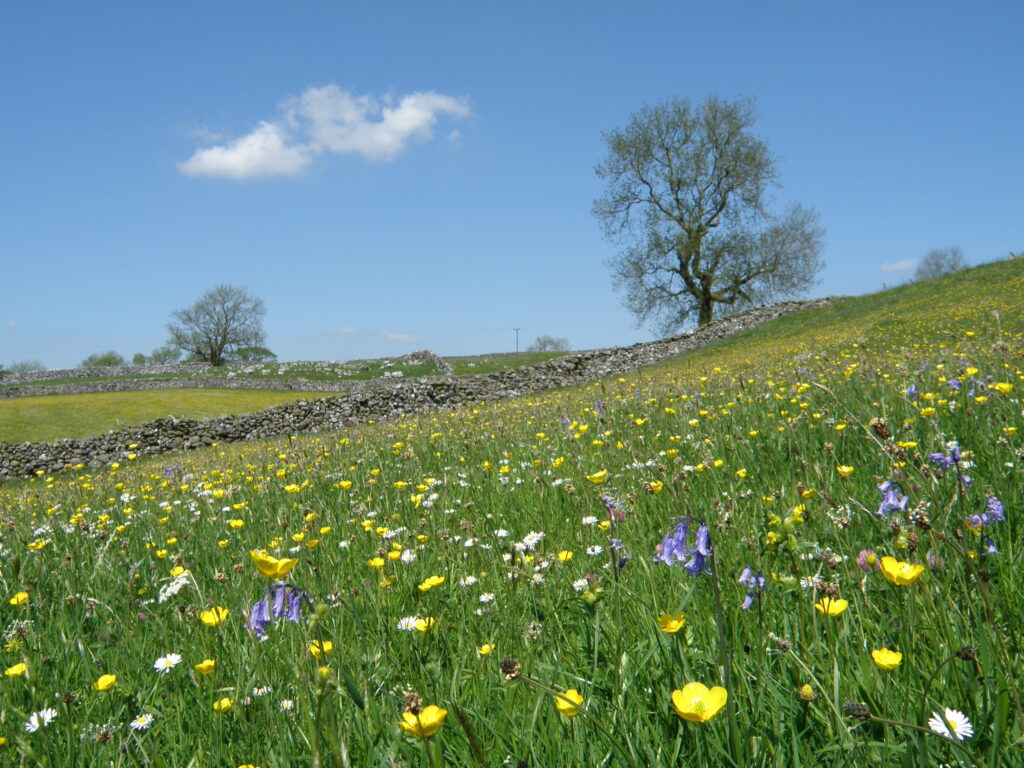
287, 705
487, 597
954, 725
533, 538
467, 581
579, 585
40, 719
166, 663
596, 549
141, 723
589, 520
408, 624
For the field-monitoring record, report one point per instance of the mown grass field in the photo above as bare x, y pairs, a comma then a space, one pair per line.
501, 581
55, 417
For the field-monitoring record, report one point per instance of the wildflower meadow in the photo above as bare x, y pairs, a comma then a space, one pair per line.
801, 546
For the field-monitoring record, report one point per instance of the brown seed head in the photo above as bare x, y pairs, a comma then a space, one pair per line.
510, 668
858, 710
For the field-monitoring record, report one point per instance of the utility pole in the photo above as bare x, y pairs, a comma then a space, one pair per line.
517, 339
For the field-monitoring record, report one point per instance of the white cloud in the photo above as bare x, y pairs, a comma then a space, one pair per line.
327, 119
348, 330
263, 152
389, 336
898, 266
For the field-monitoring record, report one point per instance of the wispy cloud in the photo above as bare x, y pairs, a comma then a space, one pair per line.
11, 323
264, 152
348, 330
898, 266
327, 119
389, 336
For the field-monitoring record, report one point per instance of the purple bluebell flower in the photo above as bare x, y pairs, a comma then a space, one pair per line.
994, 513
259, 616
911, 392
941, 460
954, 384
990, 547
967, 481
754, 582
674, 548
994, 509
892, 499
286, 602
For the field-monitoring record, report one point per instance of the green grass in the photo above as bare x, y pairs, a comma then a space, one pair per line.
753, 437
55, 417
496, 364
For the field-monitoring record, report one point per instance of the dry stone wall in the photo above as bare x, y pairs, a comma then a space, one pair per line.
376, 399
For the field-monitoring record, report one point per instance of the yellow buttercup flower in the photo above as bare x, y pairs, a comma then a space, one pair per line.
598, 477
425, 624
104, 683
697, 703
430, 582
20, 598
205, 666
887, 659
899, 573
671, 622
485, 649
320, 648
569, 708
844, 470
270, 566
831, 607
16, 671
223, 705
214, 616
424, 723
565, 555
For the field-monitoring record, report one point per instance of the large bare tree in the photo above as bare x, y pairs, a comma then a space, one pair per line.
686, 197
221, 321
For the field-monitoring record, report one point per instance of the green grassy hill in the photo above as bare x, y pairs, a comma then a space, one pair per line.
798, 547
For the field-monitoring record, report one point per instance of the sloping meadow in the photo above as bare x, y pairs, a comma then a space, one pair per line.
799, 547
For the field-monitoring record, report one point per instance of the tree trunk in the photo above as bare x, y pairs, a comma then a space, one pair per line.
705, 306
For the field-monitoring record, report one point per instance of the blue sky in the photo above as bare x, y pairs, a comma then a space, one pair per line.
400, 176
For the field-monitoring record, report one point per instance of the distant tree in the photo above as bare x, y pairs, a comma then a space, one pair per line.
687, 196
939, 262
549, 344
140, 359
253, 355
164, 355
101, 359
26, 366
222, 321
